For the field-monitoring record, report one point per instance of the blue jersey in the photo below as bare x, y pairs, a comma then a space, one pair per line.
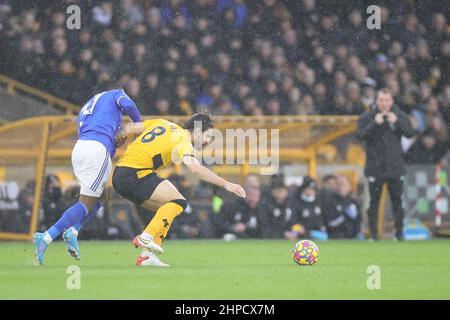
101, 117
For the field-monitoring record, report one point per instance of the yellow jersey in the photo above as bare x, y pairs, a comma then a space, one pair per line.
161, 144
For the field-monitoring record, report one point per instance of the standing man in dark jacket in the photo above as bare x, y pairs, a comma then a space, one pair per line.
381, 130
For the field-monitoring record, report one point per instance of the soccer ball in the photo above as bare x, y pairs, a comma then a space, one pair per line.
305, 252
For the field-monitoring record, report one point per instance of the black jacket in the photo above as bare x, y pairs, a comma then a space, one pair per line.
308, 214
239, 212
274, 219
418, 153
342, 216
384, 154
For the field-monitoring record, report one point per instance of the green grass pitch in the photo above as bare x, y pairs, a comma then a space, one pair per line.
230, 270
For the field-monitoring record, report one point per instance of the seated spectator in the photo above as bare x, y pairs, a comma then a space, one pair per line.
426, 149
19, 221
328, 188
119, 218
275, 216
238, 219
307, 219
329, 183
197, 222
341, 212
52, 203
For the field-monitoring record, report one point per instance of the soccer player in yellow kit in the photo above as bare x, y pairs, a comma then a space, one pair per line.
136, 176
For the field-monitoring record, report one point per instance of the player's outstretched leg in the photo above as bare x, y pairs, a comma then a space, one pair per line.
171, 203
70, 236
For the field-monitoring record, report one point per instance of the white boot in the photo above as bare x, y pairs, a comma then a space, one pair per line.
147, 242
147, 258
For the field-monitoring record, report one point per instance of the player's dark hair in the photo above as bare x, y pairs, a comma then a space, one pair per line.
199, 118
111, 83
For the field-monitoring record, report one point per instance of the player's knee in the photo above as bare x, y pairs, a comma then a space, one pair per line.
181, 202
88, 201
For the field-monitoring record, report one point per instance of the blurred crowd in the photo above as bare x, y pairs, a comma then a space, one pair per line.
235, 56
238, 57
241, 57
321, 210
318, 210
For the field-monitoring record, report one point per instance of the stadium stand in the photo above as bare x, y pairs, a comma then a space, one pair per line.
18, 106
276, 58
292, 59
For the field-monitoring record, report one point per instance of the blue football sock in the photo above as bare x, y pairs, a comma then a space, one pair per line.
89, 216
72, 216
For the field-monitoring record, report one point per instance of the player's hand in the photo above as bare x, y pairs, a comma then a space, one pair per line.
120, 139
236, 189
379, 118
392, 117
135, 128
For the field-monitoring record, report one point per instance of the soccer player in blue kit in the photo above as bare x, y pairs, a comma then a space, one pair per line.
99, 133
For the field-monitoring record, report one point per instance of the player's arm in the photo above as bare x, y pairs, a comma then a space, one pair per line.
128, 107
133, 129
208, 176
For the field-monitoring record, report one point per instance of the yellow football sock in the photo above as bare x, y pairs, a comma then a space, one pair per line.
161, 222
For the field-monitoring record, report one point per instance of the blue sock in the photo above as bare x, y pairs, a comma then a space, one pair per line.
89, 216
72, 216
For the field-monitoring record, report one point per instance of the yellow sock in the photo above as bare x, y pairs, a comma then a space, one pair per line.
161, 222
